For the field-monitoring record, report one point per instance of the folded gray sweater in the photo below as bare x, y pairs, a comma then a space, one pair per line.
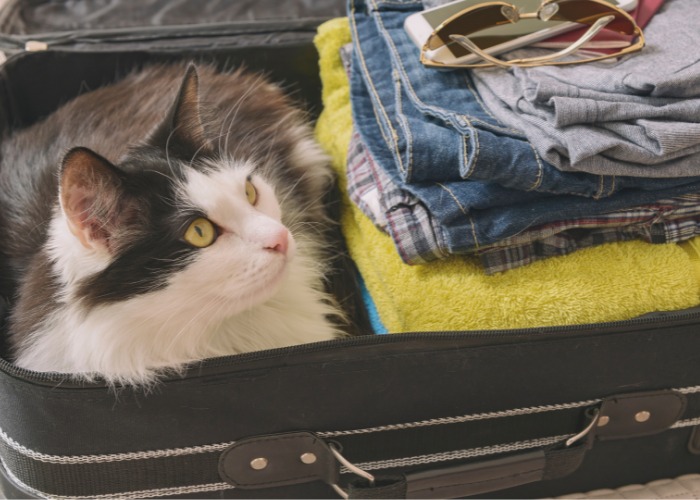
637, 116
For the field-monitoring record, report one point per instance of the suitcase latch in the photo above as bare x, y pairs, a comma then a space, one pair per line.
639, 414
278, 460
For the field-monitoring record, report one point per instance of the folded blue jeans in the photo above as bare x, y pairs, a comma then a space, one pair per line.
429, 131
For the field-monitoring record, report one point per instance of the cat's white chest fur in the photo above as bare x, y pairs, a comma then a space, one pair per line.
125, 344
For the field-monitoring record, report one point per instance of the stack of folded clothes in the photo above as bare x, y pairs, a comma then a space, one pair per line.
435, 175
539, 161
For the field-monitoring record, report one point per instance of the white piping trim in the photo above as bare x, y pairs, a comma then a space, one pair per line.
689, 390
130, 495
686, 423
479, 452
479, 416
459, 454
112, 457
460, 419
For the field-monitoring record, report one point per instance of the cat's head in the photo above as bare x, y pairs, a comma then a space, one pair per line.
171, 216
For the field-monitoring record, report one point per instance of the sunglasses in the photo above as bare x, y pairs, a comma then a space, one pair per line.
454, 32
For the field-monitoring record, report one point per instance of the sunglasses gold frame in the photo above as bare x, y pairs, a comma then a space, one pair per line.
511, 14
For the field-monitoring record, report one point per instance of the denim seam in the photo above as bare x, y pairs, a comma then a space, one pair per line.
370, 86
386, 138
477, 97
540, 168
440, 242
601, 188
465, 158
467, 214
401, 119
477, 147
475, 154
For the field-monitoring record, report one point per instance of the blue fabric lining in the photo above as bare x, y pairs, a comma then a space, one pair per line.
374, 319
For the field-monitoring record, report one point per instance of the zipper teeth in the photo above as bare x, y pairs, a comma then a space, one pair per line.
56, 378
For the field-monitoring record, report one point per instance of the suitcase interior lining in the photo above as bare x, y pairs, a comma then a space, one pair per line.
42, 16
26, 99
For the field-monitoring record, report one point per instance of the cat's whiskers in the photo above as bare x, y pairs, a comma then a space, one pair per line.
163, 322
289, 190
194, 155
284, 124
167, 153
317, 227
299, 215
208, 311
252, 132
237, 106
221, 129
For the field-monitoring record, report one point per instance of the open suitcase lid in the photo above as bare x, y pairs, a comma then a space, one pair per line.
82, 45
36, 25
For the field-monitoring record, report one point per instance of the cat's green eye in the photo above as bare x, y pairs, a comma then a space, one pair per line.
250, 192
201, 233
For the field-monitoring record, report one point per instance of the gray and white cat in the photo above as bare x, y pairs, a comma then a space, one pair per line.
141, 240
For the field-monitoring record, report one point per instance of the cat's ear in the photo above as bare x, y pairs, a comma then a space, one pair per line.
92, 197
183, 131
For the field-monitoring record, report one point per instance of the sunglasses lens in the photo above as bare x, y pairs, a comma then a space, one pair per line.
484, 24
466, 23
586, 12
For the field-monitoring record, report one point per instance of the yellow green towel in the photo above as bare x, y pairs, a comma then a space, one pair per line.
607, 283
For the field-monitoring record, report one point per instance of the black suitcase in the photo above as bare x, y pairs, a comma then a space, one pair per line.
519, 413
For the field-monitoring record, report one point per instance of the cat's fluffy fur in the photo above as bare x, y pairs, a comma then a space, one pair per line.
93, 235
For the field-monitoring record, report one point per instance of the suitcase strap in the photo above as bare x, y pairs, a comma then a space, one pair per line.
481, 477
473, 479
617, 417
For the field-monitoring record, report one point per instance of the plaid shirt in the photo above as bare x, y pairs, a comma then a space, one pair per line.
390, 208
406, 220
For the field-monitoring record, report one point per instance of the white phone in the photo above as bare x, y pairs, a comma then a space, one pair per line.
496, 40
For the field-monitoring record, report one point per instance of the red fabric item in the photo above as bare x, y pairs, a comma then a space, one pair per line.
606, 40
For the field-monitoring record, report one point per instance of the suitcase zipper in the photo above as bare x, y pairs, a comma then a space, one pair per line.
483, 336
37, 42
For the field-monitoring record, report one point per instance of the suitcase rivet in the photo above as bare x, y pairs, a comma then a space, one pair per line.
258, 463
642, 416
308, 458
603, 421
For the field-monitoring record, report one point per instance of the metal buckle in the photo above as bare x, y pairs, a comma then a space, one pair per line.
351, 467
594, 415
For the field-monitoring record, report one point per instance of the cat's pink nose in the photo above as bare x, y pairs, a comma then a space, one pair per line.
279, 242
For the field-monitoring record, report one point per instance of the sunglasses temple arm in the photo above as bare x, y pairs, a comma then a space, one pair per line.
587, 36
